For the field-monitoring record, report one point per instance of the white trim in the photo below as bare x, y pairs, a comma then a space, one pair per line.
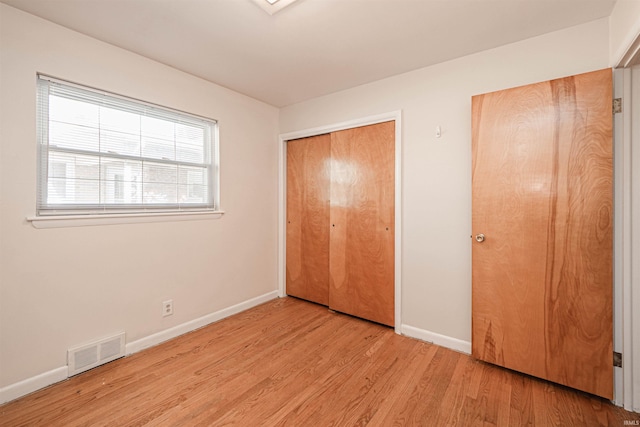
282, 196
61, 221
438, 339
35, 383
282, 215
349, 124
632, 54
621, 136
24, 387
627, 239
162, 336
398, 225
628, 51
632, 289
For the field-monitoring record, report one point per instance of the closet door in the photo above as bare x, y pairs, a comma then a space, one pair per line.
362, 221
308, 173
542, 223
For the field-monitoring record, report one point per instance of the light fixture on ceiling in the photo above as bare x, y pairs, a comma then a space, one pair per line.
273, 6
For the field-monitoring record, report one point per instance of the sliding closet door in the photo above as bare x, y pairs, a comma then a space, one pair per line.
308, 218
362, 221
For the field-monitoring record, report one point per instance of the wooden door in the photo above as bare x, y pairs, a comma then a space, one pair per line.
362, 222
307, 260
542, 198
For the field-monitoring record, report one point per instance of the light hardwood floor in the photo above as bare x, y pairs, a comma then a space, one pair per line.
290, 362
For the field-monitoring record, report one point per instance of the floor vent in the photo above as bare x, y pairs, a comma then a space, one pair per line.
87, 356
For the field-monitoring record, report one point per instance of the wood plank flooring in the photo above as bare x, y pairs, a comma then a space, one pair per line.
290, 362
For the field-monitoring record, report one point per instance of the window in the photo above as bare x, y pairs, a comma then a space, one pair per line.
104, 153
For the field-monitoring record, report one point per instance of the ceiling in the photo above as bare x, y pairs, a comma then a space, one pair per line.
312, 47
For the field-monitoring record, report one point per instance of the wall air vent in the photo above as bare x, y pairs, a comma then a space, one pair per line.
96, 353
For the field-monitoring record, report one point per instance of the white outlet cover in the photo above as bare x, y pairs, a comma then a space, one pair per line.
167, 308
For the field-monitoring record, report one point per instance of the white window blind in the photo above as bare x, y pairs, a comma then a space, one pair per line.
104, 153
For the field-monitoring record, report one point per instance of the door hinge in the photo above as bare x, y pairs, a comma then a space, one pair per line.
617, 105
617, 359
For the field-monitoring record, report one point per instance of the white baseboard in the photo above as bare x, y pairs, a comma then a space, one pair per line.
432, 337
162, 336
24, 387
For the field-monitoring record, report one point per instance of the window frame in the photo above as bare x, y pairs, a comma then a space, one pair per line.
64, 213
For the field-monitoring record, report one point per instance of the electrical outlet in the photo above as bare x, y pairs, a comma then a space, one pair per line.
167, 308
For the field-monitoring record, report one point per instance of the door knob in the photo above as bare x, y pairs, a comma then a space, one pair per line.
479, 238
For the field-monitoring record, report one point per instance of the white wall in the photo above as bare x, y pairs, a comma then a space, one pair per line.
436, 193
62, 287
624, 24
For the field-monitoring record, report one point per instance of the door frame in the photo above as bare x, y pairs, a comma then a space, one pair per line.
627, 236
282, 196
632, 344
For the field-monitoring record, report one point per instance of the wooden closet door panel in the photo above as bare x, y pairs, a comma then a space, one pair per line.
542, 197
307, 259
362, 222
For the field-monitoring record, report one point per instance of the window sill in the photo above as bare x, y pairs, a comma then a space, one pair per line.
62, 221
